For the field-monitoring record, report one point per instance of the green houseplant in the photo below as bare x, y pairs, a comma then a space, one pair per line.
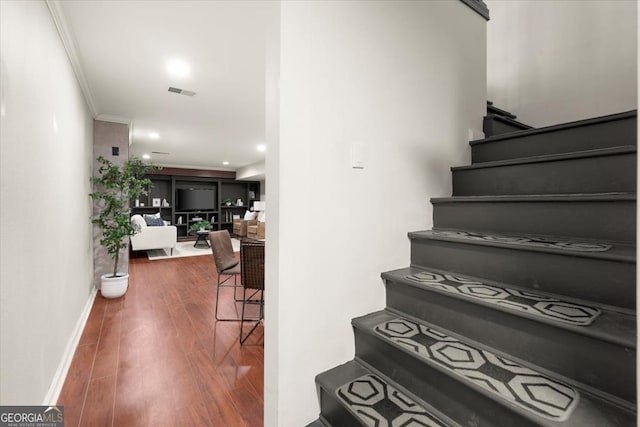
201, 225
114, 187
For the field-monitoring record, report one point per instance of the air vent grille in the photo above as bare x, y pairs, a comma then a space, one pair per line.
181, 91
159, 152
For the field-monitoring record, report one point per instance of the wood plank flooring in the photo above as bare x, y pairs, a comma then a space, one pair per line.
158, 357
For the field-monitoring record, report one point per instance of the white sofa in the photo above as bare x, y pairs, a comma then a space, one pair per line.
152, 237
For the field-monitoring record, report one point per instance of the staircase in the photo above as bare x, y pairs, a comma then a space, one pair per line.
518, 308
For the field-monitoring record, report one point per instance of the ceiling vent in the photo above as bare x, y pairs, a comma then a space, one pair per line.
160, 152
181, 91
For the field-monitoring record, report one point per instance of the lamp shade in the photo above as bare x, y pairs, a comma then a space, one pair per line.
259, 206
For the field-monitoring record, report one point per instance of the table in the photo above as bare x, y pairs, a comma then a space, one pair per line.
201, 239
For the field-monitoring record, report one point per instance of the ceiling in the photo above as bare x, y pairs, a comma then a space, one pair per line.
123, 49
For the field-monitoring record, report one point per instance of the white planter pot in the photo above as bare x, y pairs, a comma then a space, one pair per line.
114, 287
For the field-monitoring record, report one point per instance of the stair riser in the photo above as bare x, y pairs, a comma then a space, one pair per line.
608, 366
604, 220
599, 135
590, 279
587, 175
334, 412
492, 126
436, 387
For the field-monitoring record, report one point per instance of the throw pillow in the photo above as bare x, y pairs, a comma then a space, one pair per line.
248, 215
153, 221
138, 222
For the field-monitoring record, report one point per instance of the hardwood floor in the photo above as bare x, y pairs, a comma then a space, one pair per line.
158, 357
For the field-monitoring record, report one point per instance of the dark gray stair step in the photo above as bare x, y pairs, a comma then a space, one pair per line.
593, 171
609, 340
601, 132
609, 216
352, 395
494, 124
492, 109
606, 277
318, 423
435, 363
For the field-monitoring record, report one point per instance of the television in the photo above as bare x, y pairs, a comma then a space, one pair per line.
195, 199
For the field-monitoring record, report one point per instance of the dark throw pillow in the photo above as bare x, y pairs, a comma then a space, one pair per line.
153, 221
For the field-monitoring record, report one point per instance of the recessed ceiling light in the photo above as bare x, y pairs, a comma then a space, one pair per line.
178, 68
261, 148
146, 156
154, 135
225, 163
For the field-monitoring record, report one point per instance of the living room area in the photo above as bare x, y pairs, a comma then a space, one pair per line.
165, 352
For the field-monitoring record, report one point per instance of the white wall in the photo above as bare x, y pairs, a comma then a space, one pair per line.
551, 62
407, 79
252, 171
45, 165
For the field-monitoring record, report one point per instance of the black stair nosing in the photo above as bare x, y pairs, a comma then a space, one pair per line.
509, 121
367, 322
576, 197
599, 152
620, 252
500, 111
607, 316
356, 368
553, 128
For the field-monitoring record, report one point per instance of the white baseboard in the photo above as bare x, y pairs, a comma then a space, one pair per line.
51, 398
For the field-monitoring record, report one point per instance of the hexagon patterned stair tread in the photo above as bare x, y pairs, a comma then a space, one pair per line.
533, 241
507, 379
377, 404
531, 303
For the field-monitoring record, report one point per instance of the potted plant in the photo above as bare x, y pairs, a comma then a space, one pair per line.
114, 187
201, 226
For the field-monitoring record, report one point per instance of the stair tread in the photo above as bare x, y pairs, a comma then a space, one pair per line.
500, 377
624, 149
536, 131
593, 197
568, 246
508, 120
591, 319
500, 111
357, 387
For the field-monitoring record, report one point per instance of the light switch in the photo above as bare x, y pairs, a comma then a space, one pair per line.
357, 155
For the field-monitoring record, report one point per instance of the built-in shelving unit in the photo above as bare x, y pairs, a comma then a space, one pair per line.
219, 198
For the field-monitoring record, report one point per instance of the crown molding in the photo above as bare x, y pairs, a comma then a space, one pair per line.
67, 41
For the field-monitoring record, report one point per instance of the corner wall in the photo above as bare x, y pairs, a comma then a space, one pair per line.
46, 265
105, 136
407, 80
551, 62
